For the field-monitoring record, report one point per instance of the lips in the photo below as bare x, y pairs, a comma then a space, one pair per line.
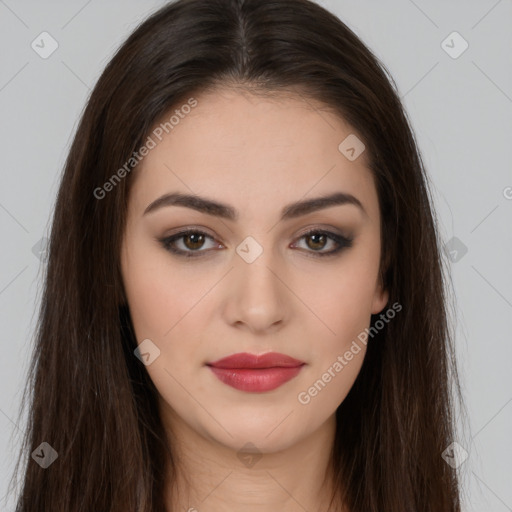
268, 360
256, 373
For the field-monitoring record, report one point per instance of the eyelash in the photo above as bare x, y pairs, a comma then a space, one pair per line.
343, 243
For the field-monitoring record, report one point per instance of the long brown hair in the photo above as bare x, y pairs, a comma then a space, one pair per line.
90, 398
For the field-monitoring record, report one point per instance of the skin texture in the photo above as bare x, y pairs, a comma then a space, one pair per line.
256, 155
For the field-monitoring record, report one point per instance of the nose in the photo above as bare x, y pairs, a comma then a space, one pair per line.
257, 296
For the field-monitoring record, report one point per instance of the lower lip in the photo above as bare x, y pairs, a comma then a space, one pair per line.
255, 380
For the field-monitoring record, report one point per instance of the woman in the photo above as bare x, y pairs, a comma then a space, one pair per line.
244, 302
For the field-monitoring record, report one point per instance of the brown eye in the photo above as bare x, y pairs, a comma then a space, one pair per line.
193, 240
188, 243
191, 243
317, 241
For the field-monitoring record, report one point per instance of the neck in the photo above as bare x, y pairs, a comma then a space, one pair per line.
213, 477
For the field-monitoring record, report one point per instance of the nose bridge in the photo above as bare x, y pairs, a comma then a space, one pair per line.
257, 293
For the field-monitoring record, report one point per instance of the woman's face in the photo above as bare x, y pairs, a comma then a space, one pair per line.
251, 280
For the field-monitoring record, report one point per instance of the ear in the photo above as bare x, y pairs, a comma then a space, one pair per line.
380, 299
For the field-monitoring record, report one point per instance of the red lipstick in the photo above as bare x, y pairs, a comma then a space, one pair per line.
256, 373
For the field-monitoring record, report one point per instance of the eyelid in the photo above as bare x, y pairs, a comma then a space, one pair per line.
325, 229
305, 231
333, 234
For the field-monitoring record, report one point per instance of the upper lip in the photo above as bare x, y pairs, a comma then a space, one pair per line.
268, 360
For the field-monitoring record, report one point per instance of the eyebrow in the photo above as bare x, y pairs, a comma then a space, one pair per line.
224, 211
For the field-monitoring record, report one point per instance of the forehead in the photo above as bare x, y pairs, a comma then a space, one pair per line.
247, 149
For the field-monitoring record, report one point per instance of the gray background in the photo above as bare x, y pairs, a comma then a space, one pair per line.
461, 112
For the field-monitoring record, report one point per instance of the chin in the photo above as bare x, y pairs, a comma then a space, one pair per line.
264, 436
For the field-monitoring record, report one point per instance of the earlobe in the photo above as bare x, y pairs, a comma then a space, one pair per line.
380, 300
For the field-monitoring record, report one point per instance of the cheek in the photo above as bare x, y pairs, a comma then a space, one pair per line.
343, 306
159, 297
161, 303
339, 347
344, 301
147, 299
